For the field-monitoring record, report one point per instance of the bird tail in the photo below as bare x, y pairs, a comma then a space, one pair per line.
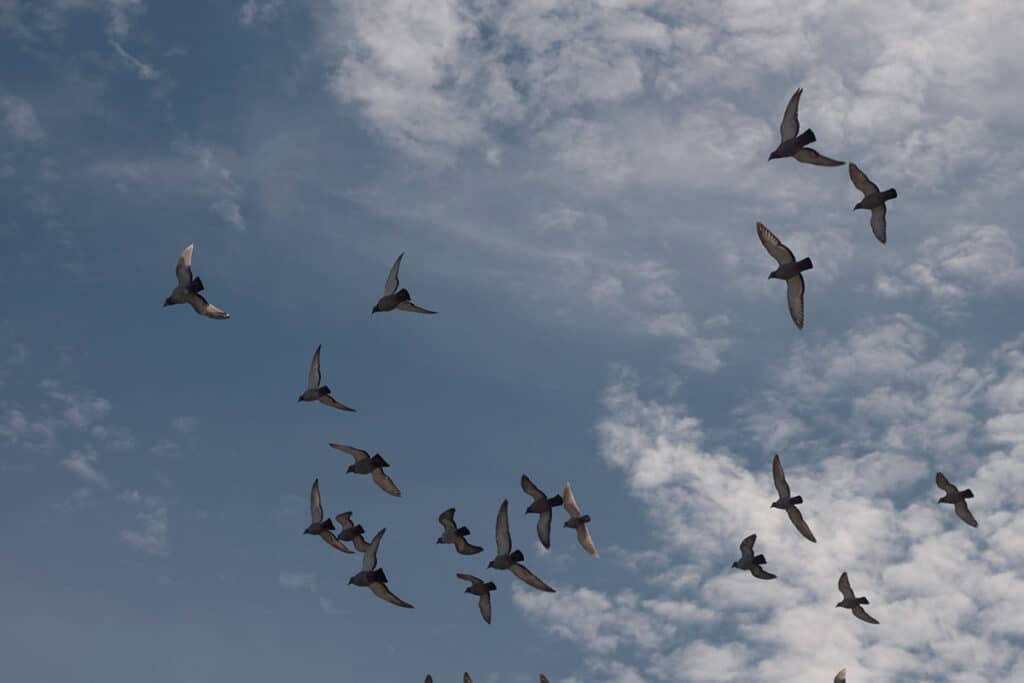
889, 194
585, 519
863, 601
806, 138
378, 576
491, 586
325, 390
196, 285
379, 460
804, 264
463, 531
967, 493
760, 560
358, 529
328, 524
555, 501
403, 294
517, 556
796, 500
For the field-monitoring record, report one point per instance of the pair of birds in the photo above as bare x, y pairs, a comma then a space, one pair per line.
467, 679
794, 144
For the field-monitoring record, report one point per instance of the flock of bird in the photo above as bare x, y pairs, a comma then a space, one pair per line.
793, 144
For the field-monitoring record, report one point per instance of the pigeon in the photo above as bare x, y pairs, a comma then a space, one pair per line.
466, 678
853, 603
794, 145
456, 534
322, 527
397, 299
578, 521
749, 562
315, 392
478, 587
789, 503
541, 505
840, 677
373, 578
506, 559
957, 498
429, 679
874, 200
353, 533
789, 270
187, 291
373, 466
544, 679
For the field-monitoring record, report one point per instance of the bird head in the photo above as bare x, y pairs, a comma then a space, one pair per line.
773, 275
168, 302
376, 309
351, 581
566, 524
839, 604
736, 564
468, 590
441, 540
351, 468
860, 205
776, 504
490, 565
773, 155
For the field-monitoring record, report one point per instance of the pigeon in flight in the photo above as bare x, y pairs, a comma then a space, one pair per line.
853, 603
466, 678
794, 145
315, 392
506, 559
789, 270
578, 521
541, 505
322, 527
957, 498
874, 200
374, 466
840, 677
749, 562
353, 533
373, 578
544, 679
789, 503
400, 299
187, 291
429, 679
478, 587
455, 534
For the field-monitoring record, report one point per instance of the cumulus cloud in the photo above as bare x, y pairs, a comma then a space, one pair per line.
151, 534
20, 119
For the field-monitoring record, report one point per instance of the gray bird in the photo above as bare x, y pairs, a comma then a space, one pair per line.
315, 392
874, 200
578, 521
794, 145
353, 533
852, 602
749, 562
544, 679
541, 505
319, 526
957, 498
455, 534
374, 466
429, 679
789, 270
481, 589
397, 299
374, 579
789, 503
187, 291
506, 559
466, 678
840, 677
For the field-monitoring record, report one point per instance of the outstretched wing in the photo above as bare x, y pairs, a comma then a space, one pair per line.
333, 541
778, 251
840, 677
391, 284
795, 299
329, 400
447, 519
583, 536
384, 481
203, 307
779, 475
760, 573
797, 518
529, 578
357, 453
316, 510
469, 577
569, 501
943, 483
344, 520
861, 181
485, 607
844, 587
314, 369
878, 222
370, 554
464, 547
544, 528
183, 269
413, 308
790, 121
809, 156
382, 591
859, 612
964, 513
747, 547
531, 489
502, 537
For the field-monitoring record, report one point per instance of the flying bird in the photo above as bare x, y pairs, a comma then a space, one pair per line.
315, 392
544, 679
853, 603
506, 559
481, 589
319, 526
400, 299
374, 466
353, 533
957, 498
749, 562
789, 503
874, 200
456, 534
789, 270
374, 579
466, 678
541, 505
794, 145
578, 521
187, 291
840, 677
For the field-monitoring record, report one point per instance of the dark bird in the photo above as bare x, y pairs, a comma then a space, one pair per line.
373, 578
506, 559
483, 590
957, 498
852, 602
187, 291
789, 503
466, 678
397, 299
374, 466
794, 145
322, 527
840, 677
544, 679
541, 505
350, 532
749, 562
789, 270
578, 521
456, 535
315, 392
874, 200
429, 679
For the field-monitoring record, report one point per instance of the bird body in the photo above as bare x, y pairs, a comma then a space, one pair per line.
317, 392
957, 498
853, 603
789, 270
874, 200
374, 466
578, 521
788, 502
373, 578
188, 288
456, 535
481, 589
508, 559
793, 145
750, 562
397, 298
542, 506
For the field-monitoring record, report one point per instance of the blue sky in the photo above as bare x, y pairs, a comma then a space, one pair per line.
575, 187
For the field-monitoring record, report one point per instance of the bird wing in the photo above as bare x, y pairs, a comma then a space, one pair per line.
391, 284
314, 369
531, 489
569, 501
360, 544
485, 606
797, 518
964, 513
464, 547
795, 298
384, 593
840, 677
544, 679
447, 519
333, 541
747, 547
428, 679
356, 453
384, 481
502, 537
778, 251
413, 308
760, 573
583, 536
544, 528
203, 307
329, 400
183, 269
943, 483
779, 475
466, 678
844, 587
344, 520
859, 612
861, 181
469, 577
810, 156
530, 578
878, 222
790, 121
316, 510
370, 554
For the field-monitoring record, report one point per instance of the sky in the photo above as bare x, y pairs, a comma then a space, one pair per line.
575, 187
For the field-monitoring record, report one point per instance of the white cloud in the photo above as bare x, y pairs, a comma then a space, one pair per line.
294, 581
255, 11
151, 536
20, 119
84, 465
144, 71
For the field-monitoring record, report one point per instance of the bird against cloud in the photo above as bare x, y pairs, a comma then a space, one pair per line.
374, 466
874, 200
507, 559
852, 602
840, 677
315, 392
789, 270
794, 145
483, 590
375, 579
750, 562
787, 502
456, 535
578, 521
541, 505
957, 498
187, 291
400, 299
